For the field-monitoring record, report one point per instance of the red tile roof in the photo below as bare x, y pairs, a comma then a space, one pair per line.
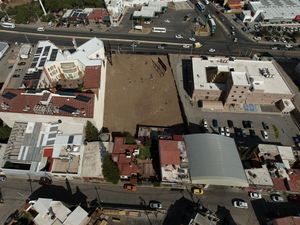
98, 14
169, 152
279, 184
20, 100
291, 220
294, 182
92, 75
126, 165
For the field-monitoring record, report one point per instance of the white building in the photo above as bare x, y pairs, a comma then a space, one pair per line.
269, 11
237, 81
86, 66
3, 48
49, 212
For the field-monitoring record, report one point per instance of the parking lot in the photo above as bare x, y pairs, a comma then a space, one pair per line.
281, 130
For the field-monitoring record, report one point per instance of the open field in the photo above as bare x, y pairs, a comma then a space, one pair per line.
137, 94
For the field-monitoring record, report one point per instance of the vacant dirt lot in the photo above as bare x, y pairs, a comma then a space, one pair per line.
137, 94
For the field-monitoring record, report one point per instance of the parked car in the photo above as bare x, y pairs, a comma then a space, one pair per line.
293, 198
221, 131
288, 46
21, 63
255, 195
238, 132
129, 187
186, 46
265, 125
197, 191
162, 46
204, 122
252, 132
45, 181
2, 177
16, 75
241, 204
264, 134
178, 36
167, 21
243, 133
227, 132
155, 205
276, 198
230, 123
192, 39
212, 50
215, 123
245, 124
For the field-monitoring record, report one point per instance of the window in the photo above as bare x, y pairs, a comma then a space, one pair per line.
232, 96
206, 97
245, 87
234, 100
207, 93
242, 92
234, 91
240, 96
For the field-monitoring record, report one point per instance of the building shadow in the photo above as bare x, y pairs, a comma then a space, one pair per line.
60, 193
266, 211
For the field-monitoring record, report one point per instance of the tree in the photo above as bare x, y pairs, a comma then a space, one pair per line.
110, 170
91, 132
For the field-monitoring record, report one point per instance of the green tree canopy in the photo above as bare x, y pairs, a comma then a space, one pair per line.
91, 132
110, 170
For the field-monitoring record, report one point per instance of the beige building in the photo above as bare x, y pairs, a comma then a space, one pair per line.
238, 81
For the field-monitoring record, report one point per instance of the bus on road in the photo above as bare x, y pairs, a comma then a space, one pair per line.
212, 25
8, 25
159, 30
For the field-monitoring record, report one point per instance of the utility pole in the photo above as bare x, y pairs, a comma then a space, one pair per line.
43, 8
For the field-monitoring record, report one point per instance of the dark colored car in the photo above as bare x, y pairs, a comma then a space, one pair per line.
252, 132
45, 181
293, 198
21, 63
230, 123
215, 123
265, 126
245, 124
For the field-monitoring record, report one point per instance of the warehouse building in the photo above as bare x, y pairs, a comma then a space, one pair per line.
214, 160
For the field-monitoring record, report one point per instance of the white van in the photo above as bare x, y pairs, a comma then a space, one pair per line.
8, 25
40, 29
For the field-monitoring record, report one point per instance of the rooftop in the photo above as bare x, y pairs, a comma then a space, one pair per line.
98, 14
214, 159
169, 152
92, 77
122, 154
262, 75
64, 104
273, 10
259, 176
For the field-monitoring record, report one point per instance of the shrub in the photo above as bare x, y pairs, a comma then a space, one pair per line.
110, 170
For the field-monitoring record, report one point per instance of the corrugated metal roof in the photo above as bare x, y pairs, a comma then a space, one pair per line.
214, 159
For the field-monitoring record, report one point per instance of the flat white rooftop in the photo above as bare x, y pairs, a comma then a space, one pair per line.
277, 9
262, 75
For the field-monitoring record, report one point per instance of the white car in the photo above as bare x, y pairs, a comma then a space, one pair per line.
240, 204
204, 121
277, 198
40, 29
192, 39
206, 2
155, 205
186, 46
178, 36
221, 131
212, 50
255, 195
167, 21
264, 134
147, 22
288, 46
227, 132
257, 38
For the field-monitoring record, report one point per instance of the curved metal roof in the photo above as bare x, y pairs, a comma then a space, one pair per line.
214, 159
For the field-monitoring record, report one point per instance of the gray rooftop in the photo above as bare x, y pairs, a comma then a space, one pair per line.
214, 159
3, 45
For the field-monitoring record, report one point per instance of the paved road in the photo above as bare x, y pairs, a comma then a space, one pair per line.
62, 37
15, 191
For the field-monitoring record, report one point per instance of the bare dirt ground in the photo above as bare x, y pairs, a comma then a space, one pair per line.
137, 94
13, 3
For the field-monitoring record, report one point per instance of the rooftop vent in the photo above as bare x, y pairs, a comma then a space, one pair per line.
266, 73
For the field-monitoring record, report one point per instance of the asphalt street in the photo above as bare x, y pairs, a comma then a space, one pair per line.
16, 191
148, 43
